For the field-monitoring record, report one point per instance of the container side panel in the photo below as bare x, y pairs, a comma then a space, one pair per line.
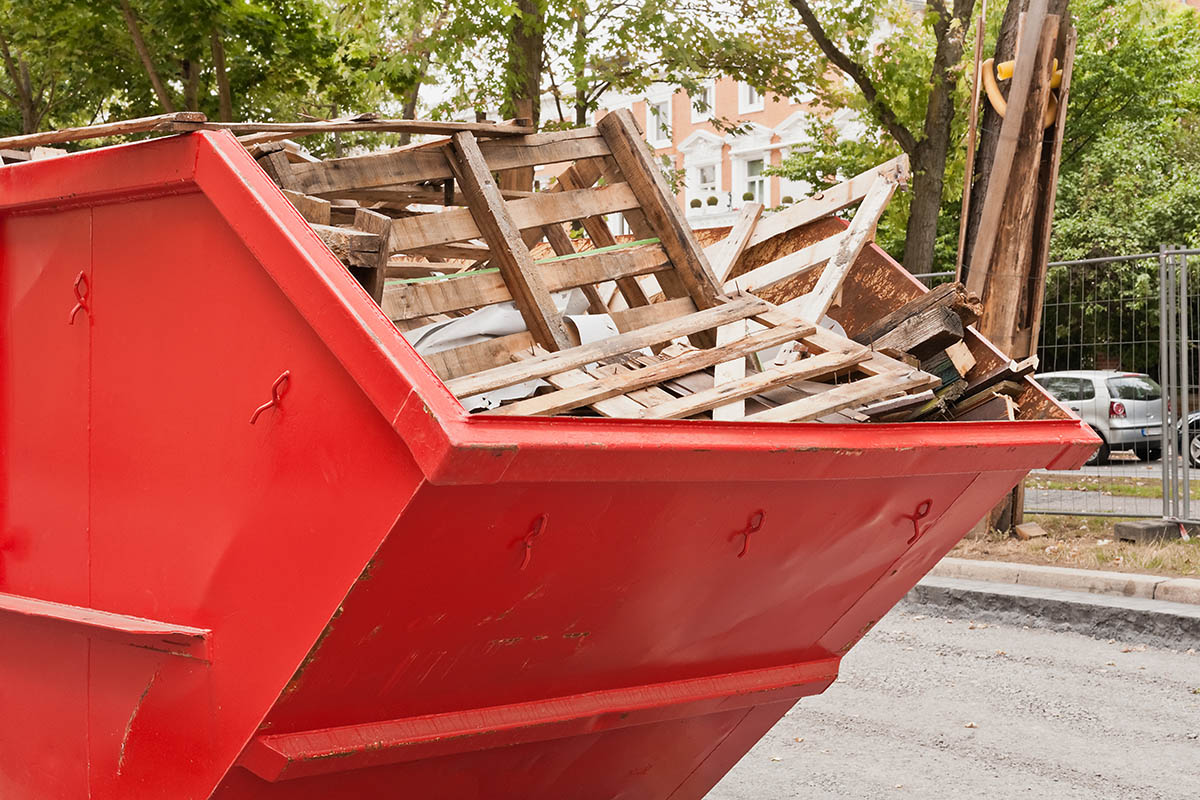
647, 762
43, 502
255, 531
622, 585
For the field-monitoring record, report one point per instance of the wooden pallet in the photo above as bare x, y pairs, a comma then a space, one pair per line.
702, 319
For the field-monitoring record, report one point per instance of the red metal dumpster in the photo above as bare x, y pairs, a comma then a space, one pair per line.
250, 546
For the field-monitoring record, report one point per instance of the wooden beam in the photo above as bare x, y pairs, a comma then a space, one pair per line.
789, 266
413, 126
355, 173
861, 231
847, 395
813, 367
724, 254
468, 359
707, 319
313, 209
536, 211
828, 201
459, 292
659, 206
380, 225
620, 383
159, 122
1018, 94
947, 295
509, 253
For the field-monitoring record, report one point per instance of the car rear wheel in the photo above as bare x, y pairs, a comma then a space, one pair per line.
1101, 455
1193, 447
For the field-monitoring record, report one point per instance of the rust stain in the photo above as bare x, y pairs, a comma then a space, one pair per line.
129, 725
294, 683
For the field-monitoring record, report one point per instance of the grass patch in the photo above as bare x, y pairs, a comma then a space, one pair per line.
1086, 543
1114, 486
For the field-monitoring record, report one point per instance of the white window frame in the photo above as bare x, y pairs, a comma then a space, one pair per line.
658, 128
764, 187
710, 88
747, 104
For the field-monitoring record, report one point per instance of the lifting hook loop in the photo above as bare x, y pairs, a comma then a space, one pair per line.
752, 526
921, 512
81, 294
526, 541
278, 389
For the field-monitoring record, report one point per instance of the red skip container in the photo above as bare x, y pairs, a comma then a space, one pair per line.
250, 546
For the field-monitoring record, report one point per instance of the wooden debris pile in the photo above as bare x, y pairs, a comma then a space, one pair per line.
526, 323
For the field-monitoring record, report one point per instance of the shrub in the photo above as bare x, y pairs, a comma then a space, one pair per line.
747, 195
696, 202
712, 200
787, 200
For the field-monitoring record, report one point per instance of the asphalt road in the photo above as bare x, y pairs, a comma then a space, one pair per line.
932, 708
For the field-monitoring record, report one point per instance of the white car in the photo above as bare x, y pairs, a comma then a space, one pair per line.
1124, 408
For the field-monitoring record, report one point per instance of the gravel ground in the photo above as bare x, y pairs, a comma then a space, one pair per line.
930, 707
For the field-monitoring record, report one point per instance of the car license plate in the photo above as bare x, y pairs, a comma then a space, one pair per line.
1151, 431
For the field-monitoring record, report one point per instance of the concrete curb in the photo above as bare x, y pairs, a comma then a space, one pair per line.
1089, 581
1132, 619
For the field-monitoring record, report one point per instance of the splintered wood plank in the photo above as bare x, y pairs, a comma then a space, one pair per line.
610, 407
562, 245
535, 211
159, 122
509, 252
478, 356
313, 209
472, 290
724, 254
738, 308
729, 372
847, 395
923, 334
582, 175
464, 251
381, 226
789, 266
862, 229
356, 173
413, 126
811, 368
659, 206
828, 201
621, 383
629, 319
353, 248
651, 395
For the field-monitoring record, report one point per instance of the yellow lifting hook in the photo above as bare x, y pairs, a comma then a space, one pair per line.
1004, 71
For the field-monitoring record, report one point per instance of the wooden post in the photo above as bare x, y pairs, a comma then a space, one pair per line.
508, 250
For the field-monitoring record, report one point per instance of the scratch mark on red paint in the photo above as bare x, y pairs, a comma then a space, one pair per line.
129, 725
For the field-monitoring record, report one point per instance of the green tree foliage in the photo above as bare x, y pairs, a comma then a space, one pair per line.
1130, 177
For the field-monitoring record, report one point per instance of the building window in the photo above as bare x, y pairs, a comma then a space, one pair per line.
660, 122
706, 178
755, 182
749, 99
705, 96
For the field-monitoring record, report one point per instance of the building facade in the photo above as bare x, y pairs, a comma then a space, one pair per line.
719, 172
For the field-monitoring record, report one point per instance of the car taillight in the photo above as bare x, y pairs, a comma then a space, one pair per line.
1116, 410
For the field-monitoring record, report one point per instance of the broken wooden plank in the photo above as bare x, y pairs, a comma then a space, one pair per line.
724, 254
847, 395
355, 173
353, 248
536, 211
707, 319
619, 406
158, 122
509, 253
413, 126
903, 403
372, 275
923, 334
313, 209
730, 372
659, 207
786, 267
609, 386
828, 201
482, 288
641, 316
813, 367
994, 407
469, 359
949, 295
856, 237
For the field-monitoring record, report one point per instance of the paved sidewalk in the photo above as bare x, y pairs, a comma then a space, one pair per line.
1116, 605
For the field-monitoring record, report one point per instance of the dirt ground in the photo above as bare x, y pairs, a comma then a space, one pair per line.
1086, 543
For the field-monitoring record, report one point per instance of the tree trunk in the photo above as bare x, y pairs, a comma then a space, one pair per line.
928, 177
524, 79
135, 33
224, 96
410, 108
930, 155
190, 72
525, 60
18, 73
